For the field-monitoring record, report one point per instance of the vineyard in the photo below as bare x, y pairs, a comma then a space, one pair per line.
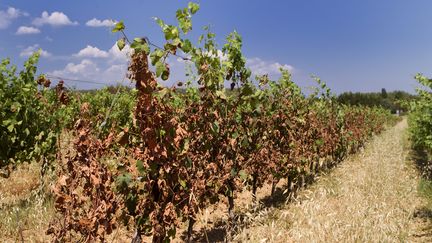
420, 120
152, 157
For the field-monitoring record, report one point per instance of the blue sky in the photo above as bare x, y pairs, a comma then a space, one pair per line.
357, 45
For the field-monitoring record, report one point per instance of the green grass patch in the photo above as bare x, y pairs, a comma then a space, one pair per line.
425, 190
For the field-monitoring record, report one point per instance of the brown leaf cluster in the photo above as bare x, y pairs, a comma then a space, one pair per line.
83, 192
187, 158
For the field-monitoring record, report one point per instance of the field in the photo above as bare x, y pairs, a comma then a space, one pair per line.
223, 156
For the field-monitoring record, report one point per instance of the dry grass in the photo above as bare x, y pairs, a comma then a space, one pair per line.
25, 204
24, 212
371, 197
19, 184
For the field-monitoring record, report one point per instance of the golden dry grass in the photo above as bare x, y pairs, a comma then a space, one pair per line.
25, 204
24, 212
371, 197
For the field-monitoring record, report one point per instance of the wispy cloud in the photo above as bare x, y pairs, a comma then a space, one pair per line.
54, 19
120, 56
261, 67
108, 66
32, 49
113, 55
91, 51
101, 23
92, 71
6, 17
27, 30
84, 67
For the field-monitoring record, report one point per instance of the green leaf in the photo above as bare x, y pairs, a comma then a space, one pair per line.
124, 180
233, 172
172, 232
182, 183
118, 27
215, 127
160, 22
245, 142
162, 93
153, 168
171, 32
221, 94
247, 90
140, 167
185, 146
184, 20
186, 46
139, 45
160, 68
10, 127
243, 175
121, 43
176, 42
185, 25
193, 7
155, 56
189, 162
135, 45
165, 75
7, 122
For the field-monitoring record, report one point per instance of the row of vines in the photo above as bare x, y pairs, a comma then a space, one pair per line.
420, 122
182, 149
33, 114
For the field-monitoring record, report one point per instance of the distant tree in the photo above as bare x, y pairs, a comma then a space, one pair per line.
384, 93
392, 101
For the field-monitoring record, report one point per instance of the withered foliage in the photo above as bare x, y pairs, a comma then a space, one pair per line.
185, 158
156, 198
42, 80
61, 93
83, 192
187, 150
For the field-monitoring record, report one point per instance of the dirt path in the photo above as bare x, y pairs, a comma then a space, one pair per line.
371, 197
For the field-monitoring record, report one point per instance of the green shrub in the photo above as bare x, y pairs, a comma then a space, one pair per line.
26, 123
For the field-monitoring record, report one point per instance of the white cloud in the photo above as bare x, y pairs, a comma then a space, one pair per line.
91, 51
117, 55
261, 67
108, 67
113, 55
10, 14
31, 49
101, 23
115, 73
53, 19
27, 30
91, 70
116, 68
84, 67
